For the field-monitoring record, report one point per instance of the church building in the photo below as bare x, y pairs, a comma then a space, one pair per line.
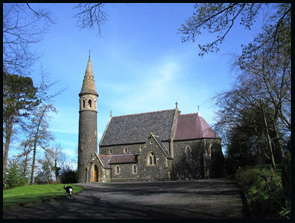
153, 146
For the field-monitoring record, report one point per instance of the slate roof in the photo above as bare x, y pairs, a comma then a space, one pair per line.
193, 126
162, 145
136, 128
123, 158
105, 160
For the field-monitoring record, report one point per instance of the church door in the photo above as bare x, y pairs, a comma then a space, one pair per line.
95, 176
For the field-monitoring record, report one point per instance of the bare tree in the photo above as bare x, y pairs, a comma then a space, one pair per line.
24, 156
221, 17
59, 159
38, 130
90, 15
263, 83
44, 170
23, 26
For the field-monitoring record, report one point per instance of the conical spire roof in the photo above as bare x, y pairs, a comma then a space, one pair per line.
88, 86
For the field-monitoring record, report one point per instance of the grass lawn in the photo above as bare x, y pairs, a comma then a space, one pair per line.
31, 193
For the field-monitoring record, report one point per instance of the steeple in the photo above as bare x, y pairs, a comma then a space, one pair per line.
87, 144
88, 86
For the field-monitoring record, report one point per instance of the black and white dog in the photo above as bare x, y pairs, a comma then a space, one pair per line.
69, 189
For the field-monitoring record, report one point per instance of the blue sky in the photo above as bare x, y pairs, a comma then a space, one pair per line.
140, 64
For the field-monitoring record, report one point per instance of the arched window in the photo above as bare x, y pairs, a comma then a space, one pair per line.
210, 151
89, 103
117, 170
83, 103
152, 159
125, 150
111, 151
206, 154
188, 153
134, 169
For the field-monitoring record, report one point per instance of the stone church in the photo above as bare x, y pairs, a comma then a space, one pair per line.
153, 146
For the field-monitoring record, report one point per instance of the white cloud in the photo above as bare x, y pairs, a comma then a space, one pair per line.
156, 85
69, 131
71, 152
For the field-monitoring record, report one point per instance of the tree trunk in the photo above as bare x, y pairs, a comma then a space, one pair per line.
25, 167
33, 165
7, 143
35, 143
268, 138
278, 136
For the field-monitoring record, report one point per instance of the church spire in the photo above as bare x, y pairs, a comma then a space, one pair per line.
87, 146
88, 86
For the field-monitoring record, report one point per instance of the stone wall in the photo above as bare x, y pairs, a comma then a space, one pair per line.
159, 172
205, 161
104, 175
184, 168
120, 149
144, 170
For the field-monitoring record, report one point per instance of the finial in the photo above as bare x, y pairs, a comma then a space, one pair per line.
199, 114
111, 114
89, 52
176, 104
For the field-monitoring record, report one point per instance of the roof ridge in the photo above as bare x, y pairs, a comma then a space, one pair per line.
143, 113
189, 114
123, 154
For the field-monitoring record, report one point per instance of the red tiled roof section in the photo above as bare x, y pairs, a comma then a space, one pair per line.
193, 126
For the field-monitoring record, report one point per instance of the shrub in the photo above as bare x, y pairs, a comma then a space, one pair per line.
14, 176
68, 176
286, 211
246, 176
286, 176
267, 192
265, 189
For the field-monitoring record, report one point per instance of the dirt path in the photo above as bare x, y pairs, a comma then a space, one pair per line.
199, 199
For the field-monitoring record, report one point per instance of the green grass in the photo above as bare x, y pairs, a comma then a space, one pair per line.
32, 193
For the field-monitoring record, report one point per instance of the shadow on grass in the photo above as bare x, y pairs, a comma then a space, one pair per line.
14, 200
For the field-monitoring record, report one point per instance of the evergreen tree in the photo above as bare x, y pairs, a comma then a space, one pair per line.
19, 98
14, 176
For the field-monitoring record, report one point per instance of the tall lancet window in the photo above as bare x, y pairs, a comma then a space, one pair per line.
89, 103
152, 161
83, 103
188, 152
134, 169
